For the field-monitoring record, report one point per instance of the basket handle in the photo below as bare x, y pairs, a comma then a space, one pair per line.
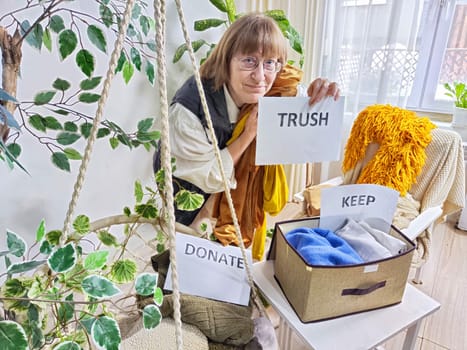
363, 291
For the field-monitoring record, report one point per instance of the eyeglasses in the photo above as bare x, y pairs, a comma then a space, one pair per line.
251, 63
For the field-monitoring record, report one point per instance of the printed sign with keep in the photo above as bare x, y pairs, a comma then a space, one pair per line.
374, 204
210, 270
292, 132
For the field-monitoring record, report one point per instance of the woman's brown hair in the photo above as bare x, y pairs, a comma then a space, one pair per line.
247, 35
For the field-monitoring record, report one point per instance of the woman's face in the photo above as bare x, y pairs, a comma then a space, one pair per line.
251, 77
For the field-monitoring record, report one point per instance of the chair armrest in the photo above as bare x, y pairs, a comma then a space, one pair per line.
422, 222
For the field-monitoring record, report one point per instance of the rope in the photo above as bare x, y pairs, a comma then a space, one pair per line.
100, 108
159, 15
255, 297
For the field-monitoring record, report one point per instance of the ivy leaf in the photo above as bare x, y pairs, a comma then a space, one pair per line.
56, 23
72, 154
106, 334
43, 97
151, 316
158, 296
16, 245
135, 58
61, 84
146, 283
67, 345
107, 238
205, 24
88, 97
82, 224
63, 259
123, 271
66, 310
96, 260
96, 35
47, 39
99, 287
187, 200
12, 336
53, 237
45, 248
60, 160
67, 42
67, 138
127, 71
138, 192
148, 210
89, 84
40, 232
106, 15
85, 61
24, 266
150, 72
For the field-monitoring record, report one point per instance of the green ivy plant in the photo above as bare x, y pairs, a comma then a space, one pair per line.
458, 92
229, 8
55, 116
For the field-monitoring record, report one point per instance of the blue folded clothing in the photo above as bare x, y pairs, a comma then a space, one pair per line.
322, 247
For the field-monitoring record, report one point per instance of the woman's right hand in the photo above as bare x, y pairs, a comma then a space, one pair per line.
251, 125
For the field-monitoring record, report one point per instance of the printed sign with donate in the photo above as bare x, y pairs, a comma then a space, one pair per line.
374, 204
208, 269
292, 132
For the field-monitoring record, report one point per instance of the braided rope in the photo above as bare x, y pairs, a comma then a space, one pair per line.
159, 15
219, 160
100, 108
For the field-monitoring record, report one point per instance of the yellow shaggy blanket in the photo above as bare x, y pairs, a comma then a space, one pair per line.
402, 137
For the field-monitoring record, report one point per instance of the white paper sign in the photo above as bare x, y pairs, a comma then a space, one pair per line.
210, 270
292, 132
374, 204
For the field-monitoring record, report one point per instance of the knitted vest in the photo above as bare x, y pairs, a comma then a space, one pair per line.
188, 96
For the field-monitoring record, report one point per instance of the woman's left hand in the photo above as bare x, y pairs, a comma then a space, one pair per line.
321, 88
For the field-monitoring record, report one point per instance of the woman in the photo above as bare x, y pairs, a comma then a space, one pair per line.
249, 62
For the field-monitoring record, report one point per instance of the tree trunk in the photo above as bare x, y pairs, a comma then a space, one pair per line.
11, 61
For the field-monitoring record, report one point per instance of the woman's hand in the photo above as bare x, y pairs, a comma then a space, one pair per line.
321, 88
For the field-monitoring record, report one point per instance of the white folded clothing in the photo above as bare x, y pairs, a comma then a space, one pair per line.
393, 244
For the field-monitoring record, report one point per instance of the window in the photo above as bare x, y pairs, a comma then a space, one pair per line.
443, 54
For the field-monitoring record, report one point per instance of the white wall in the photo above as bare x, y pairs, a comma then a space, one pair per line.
108, 187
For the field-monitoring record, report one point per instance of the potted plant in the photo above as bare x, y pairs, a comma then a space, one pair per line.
458, 92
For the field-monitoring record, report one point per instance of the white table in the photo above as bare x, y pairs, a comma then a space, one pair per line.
361, 331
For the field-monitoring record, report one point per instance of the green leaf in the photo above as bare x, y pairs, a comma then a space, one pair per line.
61, 84
106, 334
96, 260
14, 149
70, 126
67, 345
186, 200
106, 15
127, 71
37, 339
24, 266
127, 211
138, 191
72, 154
135, 58
220, 4
145, 24
148, 210
158, 296
44, 97
12, 336
82, 224
61, 111
67, 138
86, 129
121, 60
102, 132
40, 232
150, 72
85, 61
90, 84
96, 35
88, 97
151, 316
113, 142
56, 23
66, 310
52, 123
60, 160
151, 44
46, 248
67, 42
37, 122
123, 271
53, 237
14, 288
107, 238
231, 10
16, 245
148, 136
207, 23
63, 259
179, 52
145, 124
47, 39
99, 287
146, 283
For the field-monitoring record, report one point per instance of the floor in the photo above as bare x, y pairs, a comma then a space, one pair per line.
445, 280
